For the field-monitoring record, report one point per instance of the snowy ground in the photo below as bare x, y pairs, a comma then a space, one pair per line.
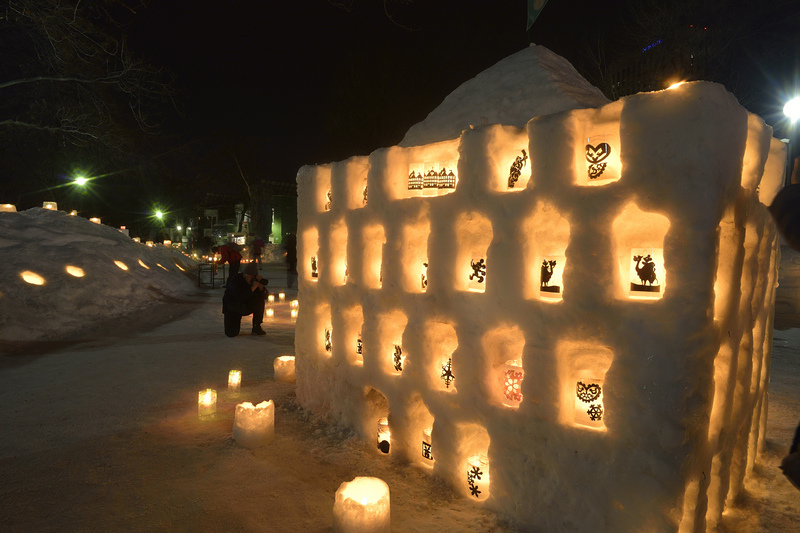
100, 429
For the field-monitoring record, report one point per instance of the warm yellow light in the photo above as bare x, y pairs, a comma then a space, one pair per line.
75, 271
294, 313
384, 435
179, 267
137, 239
167, 242
234, 381
95, 220
675, 85
8, 208
254, 425
270, 312
271, 298
284, 368
162, 266
362, 505
150, 243
294, 304
121, 265
52, 206
73, 213
281, 296
206, 403
141, 263
32, 278
477, 476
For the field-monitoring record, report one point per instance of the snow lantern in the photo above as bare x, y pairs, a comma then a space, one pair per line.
75, 271
362, 506
207, 403
294, 304
384, 435
293, 314
284, 368
427, 445
634, 267
281, 296
149, 243
271, 298
32, 277
270, 312
8, 208
73, 213
234, 382
137, 239
167, 242
254, 425
96, 220
52, 206
476, 476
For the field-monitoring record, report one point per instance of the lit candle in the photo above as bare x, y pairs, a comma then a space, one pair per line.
8, 208
281, 296
362, 505
254, 426
167, 242
137, 239
271, 298
234, 381
478, 477
294, 314
207, 403
270, 313
295, 304
384, 435
149, 243
96, 220
284, 368
73, 213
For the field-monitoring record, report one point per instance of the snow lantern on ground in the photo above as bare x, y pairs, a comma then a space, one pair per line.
234, 382
96, 220
284, 368
271, 298
585, 305
254, 425
281, 296
270, 313
52, 206
362, 506
207, 403
8, 208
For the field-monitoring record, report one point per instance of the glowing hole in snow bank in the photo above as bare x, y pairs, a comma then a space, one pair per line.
75, 271
362, 505
162, 266
179, 267
121, 265
142, 264
32, 278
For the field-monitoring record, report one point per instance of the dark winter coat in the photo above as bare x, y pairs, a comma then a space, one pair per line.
238, 299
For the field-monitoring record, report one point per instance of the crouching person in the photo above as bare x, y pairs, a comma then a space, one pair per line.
244, 295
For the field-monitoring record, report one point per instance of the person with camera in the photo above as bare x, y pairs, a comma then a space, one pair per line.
245, 294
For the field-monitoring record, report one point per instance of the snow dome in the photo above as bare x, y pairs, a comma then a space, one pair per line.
579, 303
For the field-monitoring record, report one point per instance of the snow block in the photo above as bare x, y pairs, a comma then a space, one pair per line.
581, 307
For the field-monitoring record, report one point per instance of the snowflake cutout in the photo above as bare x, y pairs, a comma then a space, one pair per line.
511, 385
595, 412
447, 373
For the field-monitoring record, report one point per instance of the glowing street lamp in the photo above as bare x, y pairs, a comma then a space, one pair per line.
81, 181
159, 215
792, 109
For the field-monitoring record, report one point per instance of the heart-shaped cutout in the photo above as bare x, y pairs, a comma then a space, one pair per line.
596, 154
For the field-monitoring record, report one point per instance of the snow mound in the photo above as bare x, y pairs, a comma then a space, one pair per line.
64, 273
531, 83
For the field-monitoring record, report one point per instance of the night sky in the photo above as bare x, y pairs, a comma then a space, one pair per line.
313, 83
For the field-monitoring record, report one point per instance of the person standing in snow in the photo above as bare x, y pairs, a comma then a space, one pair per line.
231, 256
244, 295
256, 248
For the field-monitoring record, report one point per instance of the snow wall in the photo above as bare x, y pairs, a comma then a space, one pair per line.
571, 322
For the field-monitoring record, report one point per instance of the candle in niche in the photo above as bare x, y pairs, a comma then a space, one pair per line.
254, 425
234, 381
477, 274
281, 296
361, 506
294, 314
477, 477
427, 445
384, 435
294, 304
512, 375
284, 368
551, 270
646, 273
588, 401
207, 403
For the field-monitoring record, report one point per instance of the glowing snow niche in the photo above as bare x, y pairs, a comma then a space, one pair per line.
586, 316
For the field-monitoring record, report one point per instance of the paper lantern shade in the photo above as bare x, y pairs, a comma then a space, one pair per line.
254, 426
512, 376
361, 506
477, 477
427, 445
588, 402
207, 403
477, 274
284, 369
551, 270
647, 273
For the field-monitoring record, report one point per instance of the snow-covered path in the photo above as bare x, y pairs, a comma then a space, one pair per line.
104, 436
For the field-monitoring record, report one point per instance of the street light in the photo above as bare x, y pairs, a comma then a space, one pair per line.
81, 181
792, 109
159, 215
